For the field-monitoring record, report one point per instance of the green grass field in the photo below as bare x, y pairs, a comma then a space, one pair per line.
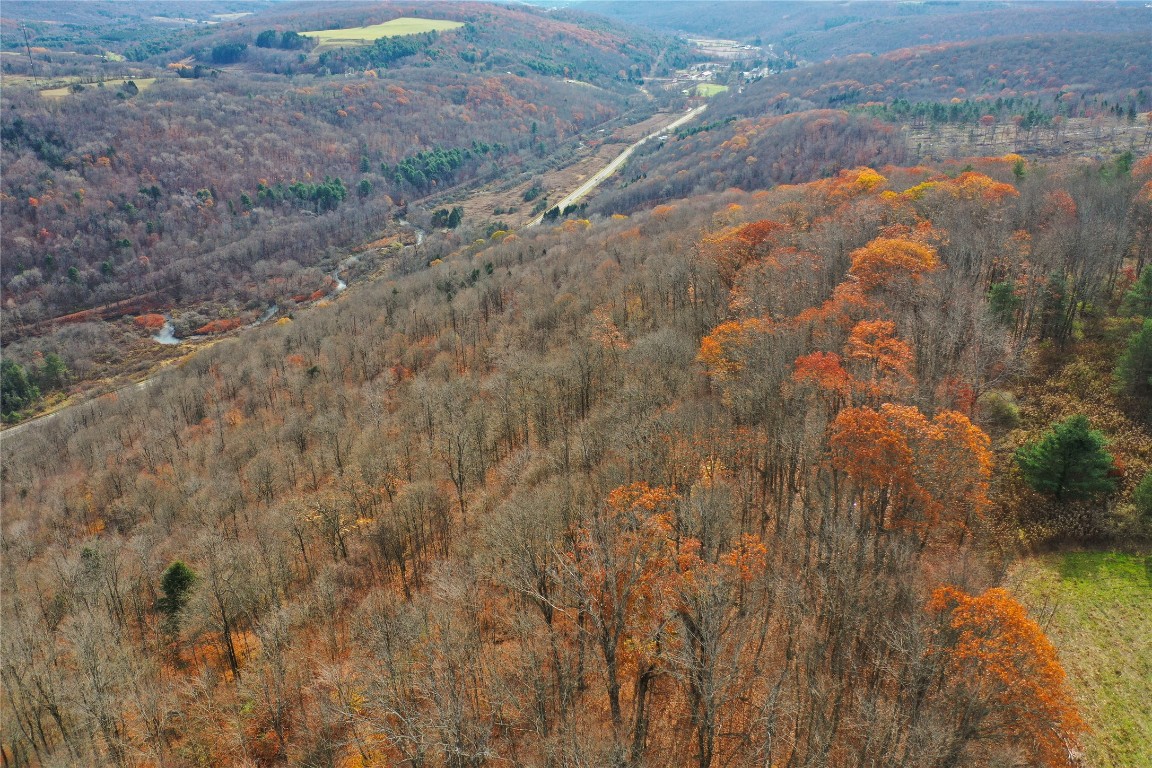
56, 93
708, 90
406, 25
1101, 622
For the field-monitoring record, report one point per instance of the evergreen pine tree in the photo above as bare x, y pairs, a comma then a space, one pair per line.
1138, 300
1142, 497
17, 390
176, 583
1069, 462
1134, 370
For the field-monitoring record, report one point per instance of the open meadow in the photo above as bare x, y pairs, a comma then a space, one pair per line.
1099, 615
334, 38
707, 90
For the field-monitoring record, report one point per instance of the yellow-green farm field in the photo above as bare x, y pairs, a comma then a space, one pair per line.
1097, 609
405, 25
707, 90
57, 93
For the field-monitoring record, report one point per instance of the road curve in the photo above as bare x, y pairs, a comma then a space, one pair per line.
598, 177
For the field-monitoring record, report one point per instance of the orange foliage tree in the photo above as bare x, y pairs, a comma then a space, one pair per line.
971, 185
722, 351
708, 655
909, 471
887, 261
731, 249
825, 371
883, 357
619, 573
1004, 675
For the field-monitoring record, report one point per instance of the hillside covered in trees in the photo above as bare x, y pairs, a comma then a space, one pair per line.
230, 188
815, 32
723, 482
1040, 95
746, 468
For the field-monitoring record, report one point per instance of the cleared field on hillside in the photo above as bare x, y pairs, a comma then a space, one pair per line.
405, 25
141, 82
710, 89
1100, 605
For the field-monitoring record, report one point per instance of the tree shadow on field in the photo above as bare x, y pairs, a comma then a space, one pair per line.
1081, 566
1098, 566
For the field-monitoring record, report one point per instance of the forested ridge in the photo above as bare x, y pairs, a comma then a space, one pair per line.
222, 188
1069, 74
814, 32
727, 482
805, 123
743, 469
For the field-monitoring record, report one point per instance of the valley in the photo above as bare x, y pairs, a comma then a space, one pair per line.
460, 384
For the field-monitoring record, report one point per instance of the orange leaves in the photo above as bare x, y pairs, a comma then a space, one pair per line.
575, 225
932, 467
849, 185
715, 350
853, 183
870, 447
823, 369
1142, 167
956, 465
1145, 194
754, 233
722, 351
733, 248
398, 94
874, 343
219, 326
621, 564
885, 261
640, 498
633, 571
151, 322
994, 650
972, 185
749, 557
1059, 205
881, 361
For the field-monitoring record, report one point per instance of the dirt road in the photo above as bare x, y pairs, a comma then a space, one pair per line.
598, 177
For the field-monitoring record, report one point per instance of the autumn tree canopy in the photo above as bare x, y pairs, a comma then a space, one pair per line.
998, 656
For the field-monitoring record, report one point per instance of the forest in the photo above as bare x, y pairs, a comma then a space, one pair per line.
809, 123
796, 445
815, 32
227, 193
729, 480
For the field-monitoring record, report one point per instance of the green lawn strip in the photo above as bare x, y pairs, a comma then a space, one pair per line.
329, 38
708, 90
1097, 610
